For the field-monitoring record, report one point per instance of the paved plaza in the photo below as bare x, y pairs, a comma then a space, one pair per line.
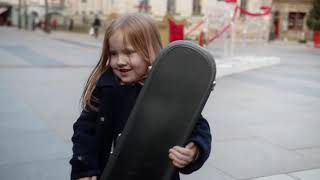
264, 112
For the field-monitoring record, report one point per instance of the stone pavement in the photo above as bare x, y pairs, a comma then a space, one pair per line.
225, 65
41, 79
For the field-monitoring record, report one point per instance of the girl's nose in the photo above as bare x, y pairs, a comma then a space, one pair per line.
122, 60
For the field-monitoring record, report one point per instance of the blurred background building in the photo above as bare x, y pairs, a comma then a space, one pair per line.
289, 19
25, 12
285, 22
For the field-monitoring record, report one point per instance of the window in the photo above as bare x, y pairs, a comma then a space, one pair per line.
295, 20
171, 6
144, 6
196, 8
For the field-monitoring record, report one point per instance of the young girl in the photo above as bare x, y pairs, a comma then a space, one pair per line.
130, 46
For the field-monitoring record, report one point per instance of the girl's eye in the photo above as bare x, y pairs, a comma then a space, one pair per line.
113, 53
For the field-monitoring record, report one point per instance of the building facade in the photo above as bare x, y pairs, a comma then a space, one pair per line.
289, 19
87, 9
23, 12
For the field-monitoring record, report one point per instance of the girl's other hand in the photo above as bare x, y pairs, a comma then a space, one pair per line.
89, 178
182, 156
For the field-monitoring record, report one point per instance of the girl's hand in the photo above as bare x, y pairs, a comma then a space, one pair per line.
89, 178
182, 156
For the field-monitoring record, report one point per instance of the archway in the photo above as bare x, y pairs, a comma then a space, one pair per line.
5, 13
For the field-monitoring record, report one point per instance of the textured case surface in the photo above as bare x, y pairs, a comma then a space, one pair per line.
164, 115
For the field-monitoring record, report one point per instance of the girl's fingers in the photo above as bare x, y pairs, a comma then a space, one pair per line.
174, 158
182, 150
180, 156
85, 178
190, 145
89, 178
177, 164
179, 160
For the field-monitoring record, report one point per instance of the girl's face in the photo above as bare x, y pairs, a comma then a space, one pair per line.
125, 62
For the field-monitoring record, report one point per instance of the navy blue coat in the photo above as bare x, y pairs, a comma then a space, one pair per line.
95, 132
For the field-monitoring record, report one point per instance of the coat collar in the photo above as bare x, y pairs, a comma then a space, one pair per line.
107, 79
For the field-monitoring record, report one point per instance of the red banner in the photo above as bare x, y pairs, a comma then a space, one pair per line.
225, 28
194, 28
265, 11
230, 1
175, 31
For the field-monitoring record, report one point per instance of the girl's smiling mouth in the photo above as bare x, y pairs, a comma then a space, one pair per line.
124, 70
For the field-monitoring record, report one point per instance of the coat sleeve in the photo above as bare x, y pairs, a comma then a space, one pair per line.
84, 162
201, 136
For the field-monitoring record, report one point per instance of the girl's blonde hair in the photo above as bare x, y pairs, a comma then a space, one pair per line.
141, 32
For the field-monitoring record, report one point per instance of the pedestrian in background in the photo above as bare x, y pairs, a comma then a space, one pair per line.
70, 27
130, 47
96, 25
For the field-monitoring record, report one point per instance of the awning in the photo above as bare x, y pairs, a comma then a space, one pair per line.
3, 9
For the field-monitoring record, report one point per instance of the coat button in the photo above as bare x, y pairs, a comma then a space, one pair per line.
80, 158
102, 119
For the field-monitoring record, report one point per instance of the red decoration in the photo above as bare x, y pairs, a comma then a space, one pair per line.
201, 38
194, 28
175, 31
230, 1
277, 27
265, 7
316, 38
265, 11
226, 27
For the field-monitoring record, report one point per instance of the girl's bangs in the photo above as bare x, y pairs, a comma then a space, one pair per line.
130, 36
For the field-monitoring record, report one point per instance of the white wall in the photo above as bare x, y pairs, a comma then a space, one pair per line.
184, 7
158, 8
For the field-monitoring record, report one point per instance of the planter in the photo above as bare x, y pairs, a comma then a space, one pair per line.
316, 39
